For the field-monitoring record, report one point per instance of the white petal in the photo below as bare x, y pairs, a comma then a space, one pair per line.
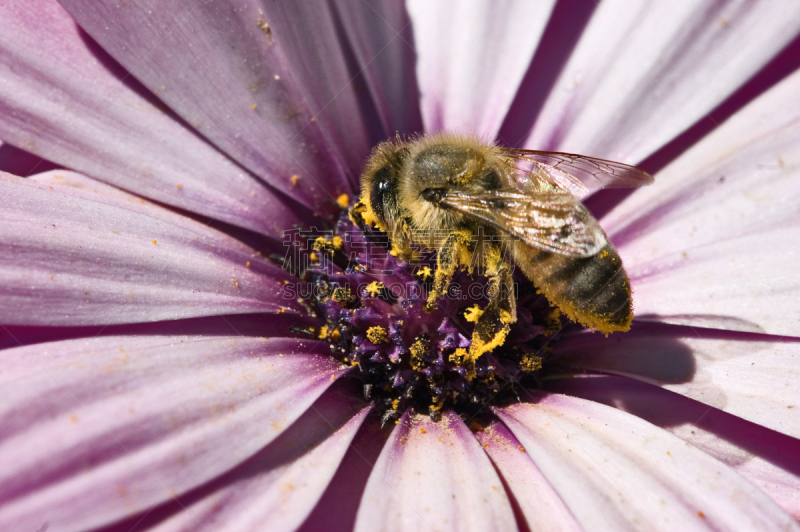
434, 475
539, 502
67, 101
617, 472
76, 256
266, 82
646, 70
753, 377
718, 234
768, 459
282, 483
472, 58
97, 429
382, 41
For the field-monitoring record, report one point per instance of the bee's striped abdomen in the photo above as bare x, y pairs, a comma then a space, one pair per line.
594, 291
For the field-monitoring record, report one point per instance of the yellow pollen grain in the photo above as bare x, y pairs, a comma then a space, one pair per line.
313, 256
253, 107
425, 273
341, 295
473, 314
377, 335
418, 348
521, 448
247, 264
294, 180
374, 288
530, 363
604, 254
343, 200
423, 431
395, 403
179, 186
323, 332
458, 356
155, 242
337, 242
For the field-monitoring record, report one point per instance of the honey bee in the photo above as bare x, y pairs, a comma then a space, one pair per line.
460, 196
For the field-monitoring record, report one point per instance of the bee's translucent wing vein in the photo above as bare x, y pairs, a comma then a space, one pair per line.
552, 221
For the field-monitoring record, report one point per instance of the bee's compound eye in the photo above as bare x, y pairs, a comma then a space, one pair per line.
434, 195
382, 186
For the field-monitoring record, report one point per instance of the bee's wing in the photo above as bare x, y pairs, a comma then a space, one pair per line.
578, 174
553, 221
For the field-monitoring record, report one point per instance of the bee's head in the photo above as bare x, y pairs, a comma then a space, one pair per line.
380, 182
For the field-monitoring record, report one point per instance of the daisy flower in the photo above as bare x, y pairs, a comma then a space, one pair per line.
179, 349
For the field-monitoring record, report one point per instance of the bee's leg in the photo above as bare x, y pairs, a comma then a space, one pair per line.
494, 323
401, 240
450, 255
357, 216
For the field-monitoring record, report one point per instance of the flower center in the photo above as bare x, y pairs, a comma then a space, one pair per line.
411, 354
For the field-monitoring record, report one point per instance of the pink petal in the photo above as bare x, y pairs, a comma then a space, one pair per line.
617, 472
768, 459
434, 475
541, 506
382, 42
73, 259
750, 376
145, 418
277, 325
65, 100
282, 483
276, 96
22, 163
644, 71
471, 59
718, 234
336, 510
